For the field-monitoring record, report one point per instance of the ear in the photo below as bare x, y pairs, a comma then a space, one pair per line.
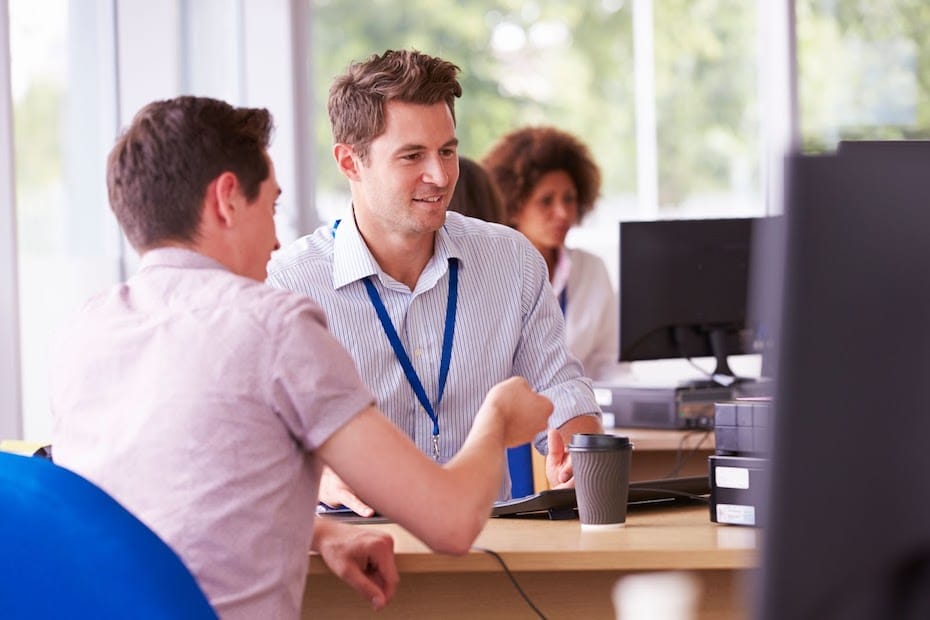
225, 196
346, 161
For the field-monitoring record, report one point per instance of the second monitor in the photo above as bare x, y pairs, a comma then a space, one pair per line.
684, 290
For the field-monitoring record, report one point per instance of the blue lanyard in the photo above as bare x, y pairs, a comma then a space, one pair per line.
563, 299
412, 378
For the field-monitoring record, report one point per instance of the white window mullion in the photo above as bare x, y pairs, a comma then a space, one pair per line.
647, 170
778, 96
11, 419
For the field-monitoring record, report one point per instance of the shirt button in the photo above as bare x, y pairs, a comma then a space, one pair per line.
418, 352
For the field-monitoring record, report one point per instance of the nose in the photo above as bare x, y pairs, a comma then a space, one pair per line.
566, 210
436, 172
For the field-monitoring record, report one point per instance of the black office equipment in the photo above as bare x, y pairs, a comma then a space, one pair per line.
848, 525
684, 286
687, 407
741, 427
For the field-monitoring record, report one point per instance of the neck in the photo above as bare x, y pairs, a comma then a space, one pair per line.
403, 256
551, 257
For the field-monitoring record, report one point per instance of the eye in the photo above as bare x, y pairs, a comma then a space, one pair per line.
411, 156
447, 153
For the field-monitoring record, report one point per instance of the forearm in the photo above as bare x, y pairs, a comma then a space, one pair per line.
580, 424
478, 468
445, 507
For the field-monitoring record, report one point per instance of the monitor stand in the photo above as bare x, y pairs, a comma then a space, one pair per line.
722, 375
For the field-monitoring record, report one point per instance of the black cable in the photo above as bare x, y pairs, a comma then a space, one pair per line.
680, 458
513, 579
709, 375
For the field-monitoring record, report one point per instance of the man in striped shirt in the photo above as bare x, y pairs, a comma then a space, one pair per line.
435, 308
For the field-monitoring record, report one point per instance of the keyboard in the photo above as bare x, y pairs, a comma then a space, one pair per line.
562, 503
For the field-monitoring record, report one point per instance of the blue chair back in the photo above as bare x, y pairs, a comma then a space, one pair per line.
520, 464
69, 550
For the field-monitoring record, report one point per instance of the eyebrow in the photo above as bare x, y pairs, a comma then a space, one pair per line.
419, 147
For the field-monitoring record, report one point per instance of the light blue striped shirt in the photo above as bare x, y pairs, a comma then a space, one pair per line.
508, 323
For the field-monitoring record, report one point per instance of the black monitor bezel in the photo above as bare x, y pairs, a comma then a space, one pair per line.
694, 280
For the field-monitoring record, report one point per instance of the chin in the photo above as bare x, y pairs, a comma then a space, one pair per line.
433, 220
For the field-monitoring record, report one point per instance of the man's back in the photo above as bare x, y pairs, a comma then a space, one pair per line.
194, 376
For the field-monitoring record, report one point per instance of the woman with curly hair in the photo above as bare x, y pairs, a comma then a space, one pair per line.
549, 182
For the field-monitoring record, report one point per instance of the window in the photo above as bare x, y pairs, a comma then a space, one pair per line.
863, 71
68, 244
581, 66
68, 106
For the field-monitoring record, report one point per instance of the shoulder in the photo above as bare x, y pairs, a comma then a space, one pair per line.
310, 249
486, 239
584, 257
583, 261
273, 307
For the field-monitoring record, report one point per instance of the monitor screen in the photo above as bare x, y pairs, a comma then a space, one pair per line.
848, 524
684, 286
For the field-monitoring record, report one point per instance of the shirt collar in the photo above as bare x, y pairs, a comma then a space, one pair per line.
352, 260
178, 257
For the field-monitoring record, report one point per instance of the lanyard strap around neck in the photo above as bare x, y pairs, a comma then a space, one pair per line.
412, 378
563, 299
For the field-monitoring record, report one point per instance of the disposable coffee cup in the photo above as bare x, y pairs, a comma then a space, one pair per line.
601, 464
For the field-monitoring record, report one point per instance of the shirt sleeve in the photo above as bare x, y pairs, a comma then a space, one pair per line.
542, 356
316, 387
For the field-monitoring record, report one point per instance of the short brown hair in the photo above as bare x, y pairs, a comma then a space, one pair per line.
357, 98
520, 159
476, 195
161, 165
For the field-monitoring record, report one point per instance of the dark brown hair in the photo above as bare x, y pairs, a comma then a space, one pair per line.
476, 195
520, 159
357, 98
160, 167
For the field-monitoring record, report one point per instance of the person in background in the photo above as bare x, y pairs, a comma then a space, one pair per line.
549, 182
207, 402
433, 306
476, 195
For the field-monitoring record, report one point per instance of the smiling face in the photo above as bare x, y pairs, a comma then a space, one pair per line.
549, 212
404, 186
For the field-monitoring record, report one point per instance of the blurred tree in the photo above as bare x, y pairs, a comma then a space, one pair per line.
566, 64
864, 70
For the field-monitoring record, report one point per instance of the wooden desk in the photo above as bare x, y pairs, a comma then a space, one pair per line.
566, 572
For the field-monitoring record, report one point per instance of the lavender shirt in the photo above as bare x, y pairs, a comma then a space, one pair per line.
196, 398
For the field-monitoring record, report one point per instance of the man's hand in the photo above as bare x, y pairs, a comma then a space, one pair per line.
558, 461
362, 558
335, 493
523, 411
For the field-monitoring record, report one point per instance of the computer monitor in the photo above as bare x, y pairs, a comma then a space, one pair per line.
684, 286
847, 530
